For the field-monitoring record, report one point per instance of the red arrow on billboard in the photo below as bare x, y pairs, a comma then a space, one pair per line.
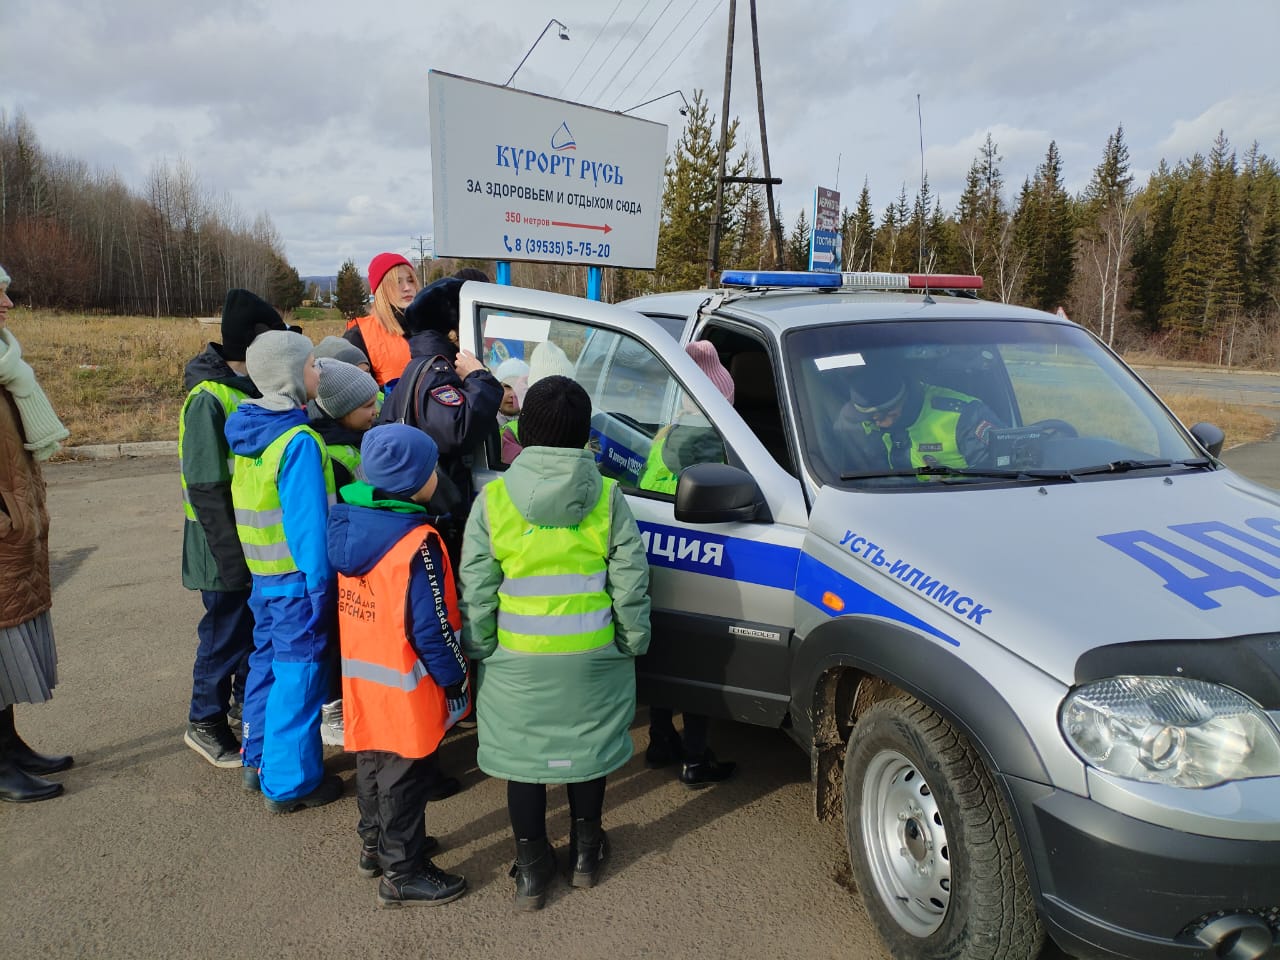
583, 226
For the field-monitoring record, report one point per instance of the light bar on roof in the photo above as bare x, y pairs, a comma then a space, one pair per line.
910, 281
779, 278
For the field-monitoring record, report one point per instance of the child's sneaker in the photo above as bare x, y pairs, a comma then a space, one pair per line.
215, 742
426, 888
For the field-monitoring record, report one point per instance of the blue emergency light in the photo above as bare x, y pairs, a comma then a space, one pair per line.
779, 278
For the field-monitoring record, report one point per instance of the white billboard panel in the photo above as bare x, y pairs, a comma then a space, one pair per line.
518, 176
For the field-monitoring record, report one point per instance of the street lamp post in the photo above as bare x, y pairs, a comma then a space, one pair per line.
564, 35
684, 111
503, 267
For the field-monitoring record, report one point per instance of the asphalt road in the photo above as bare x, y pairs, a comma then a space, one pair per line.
152, 852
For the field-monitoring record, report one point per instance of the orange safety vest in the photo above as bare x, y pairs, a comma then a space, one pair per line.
389, 701
388, 352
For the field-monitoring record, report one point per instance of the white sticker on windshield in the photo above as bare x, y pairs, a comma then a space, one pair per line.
500, 326
838, 361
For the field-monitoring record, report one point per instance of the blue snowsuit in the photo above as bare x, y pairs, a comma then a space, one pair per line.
293, 612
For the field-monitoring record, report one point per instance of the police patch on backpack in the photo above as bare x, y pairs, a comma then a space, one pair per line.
449, 396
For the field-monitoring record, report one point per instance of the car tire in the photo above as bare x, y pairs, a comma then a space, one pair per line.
932, 846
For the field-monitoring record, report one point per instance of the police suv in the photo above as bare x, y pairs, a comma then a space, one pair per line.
1025, 624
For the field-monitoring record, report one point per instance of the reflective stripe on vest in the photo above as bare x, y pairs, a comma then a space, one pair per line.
388, 352
389, 700
229, 398
552, 598
255, 493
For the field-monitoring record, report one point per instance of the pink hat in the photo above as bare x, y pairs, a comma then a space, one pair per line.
379, 266
705, 356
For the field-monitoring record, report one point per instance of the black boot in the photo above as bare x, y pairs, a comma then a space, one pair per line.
18, 786
23, 756
368, 865
590, 847
703, 773
423, 888
534, 868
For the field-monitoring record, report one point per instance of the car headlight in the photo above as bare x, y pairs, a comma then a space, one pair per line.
1182, 732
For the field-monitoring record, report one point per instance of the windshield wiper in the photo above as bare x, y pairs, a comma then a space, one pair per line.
940, 470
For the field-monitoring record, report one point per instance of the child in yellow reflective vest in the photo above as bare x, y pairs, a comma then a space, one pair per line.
404, 678
282, 488
555, 593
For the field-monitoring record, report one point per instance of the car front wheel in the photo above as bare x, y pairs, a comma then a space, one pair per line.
931, 844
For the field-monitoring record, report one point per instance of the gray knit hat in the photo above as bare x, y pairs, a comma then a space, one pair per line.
275, 362
340, 349
343, 387
4, 278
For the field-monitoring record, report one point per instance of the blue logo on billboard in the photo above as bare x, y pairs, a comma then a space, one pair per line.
562, 139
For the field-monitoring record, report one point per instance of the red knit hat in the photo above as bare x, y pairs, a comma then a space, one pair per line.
708, 360
379, 266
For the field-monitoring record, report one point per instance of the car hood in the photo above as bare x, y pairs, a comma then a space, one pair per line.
1051, 571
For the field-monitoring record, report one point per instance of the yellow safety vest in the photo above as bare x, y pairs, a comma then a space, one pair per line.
656, 475
230, 398
255, 493
934, 430
552, 598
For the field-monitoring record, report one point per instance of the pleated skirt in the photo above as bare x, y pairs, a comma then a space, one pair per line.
28, 662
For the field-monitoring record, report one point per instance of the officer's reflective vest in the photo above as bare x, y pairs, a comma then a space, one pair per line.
388, 352
932, 436
229, 398
255, 493
389, 700
552, 598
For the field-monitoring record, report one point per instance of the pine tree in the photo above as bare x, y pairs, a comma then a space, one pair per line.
1152, 244
287, 290
1224, 283
688, 200
350, 292
857, 233
1044, 232
1260, 224
798, 244
1186, 266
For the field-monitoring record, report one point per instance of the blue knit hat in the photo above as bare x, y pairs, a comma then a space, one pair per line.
397, 458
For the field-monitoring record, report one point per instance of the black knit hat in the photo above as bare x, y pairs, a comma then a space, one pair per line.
244, 316
434, 308
556, 413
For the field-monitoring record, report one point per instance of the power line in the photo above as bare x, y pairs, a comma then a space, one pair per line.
683, 16
682, 49
590, 48
611, 52
634, 52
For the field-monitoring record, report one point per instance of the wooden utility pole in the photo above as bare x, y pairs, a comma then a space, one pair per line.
775, 228
713, 247
422, 258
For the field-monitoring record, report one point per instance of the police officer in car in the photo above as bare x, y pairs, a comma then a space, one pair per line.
903, 424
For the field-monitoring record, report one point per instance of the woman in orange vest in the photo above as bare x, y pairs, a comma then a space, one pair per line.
381, 335
404, 678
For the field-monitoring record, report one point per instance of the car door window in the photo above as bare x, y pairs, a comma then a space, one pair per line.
644, 425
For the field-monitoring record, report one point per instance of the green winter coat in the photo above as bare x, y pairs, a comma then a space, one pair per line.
555, 718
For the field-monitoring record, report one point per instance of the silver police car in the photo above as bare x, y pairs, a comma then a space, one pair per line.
1025, 624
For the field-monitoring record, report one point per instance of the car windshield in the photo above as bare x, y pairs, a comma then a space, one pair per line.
919, 404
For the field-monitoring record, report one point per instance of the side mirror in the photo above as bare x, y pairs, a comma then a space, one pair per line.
1209, 436
718, 493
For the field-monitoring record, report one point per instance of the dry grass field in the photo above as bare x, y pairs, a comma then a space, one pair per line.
119, 379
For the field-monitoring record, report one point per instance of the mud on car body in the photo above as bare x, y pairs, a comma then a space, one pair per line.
1030, 643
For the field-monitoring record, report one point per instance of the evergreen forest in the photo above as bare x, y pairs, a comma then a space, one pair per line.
1185, 265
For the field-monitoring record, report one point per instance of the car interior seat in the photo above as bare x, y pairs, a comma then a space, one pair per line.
756, 400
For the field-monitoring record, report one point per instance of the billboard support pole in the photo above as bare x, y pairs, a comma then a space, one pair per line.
502, 272
595, 282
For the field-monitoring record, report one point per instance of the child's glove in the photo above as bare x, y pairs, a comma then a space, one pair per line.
457, 698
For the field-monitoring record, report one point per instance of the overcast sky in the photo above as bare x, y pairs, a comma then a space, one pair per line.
315, 111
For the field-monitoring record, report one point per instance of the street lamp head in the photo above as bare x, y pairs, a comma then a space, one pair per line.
684, 111
561, 30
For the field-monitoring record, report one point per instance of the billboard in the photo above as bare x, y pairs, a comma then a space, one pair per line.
518, 176
824, 241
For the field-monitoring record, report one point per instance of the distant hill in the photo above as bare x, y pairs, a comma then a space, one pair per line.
324, 283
